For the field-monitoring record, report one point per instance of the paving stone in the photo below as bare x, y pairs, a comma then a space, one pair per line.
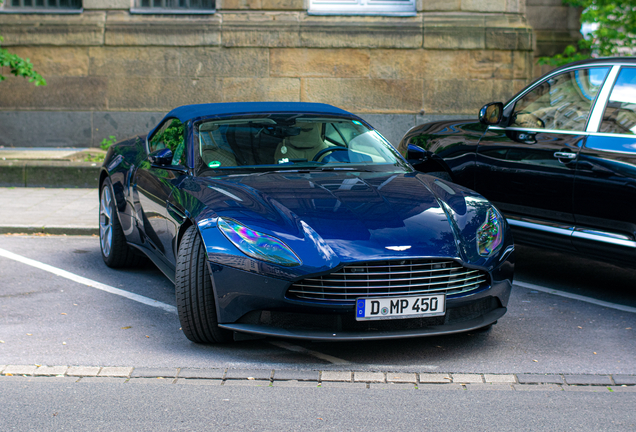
335, 376
234, 374
377, 377
154, 372
50, 370
624, 379
198, 381
392, 386
539, 387
340, 384
295, 383
539, 379
295, 375
623, 388
159, 381
467, 378
396, 377
588, 379
436, 387
103, 380
481, 386
19, 369
115, 372
492, 378
432, 378
201, 373
82, 371
247, 383
586, 388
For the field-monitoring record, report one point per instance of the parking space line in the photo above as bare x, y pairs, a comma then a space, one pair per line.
576, 297
302, 350
88, 282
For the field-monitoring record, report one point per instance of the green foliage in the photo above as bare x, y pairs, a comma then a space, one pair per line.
172, 137
107, 142
18, 66
615, 35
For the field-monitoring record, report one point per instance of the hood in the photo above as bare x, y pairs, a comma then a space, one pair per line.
360, 216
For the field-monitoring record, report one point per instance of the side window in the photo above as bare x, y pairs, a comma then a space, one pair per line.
562, 102
170, 135
620, 113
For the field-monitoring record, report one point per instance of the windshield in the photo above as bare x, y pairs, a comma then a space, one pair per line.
294, 141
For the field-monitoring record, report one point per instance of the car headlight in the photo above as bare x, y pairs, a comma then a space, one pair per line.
258, 245
490, 234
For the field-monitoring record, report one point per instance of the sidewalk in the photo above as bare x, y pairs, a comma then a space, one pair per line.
49, 211
50, 167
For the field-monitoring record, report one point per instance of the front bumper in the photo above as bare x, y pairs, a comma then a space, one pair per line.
252, 303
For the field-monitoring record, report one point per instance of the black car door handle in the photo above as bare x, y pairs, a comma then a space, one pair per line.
564, 155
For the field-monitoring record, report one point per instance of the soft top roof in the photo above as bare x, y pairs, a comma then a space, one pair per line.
189, 112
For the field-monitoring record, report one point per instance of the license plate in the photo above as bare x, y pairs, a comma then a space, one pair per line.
400, 307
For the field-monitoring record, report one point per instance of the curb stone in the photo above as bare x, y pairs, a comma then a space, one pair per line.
327, 379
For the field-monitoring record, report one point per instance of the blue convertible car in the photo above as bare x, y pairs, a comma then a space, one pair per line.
300, 220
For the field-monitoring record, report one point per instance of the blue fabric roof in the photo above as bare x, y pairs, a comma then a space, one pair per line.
188, 112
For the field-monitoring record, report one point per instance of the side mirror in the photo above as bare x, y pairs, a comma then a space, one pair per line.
162, 157
490, 114
416, 154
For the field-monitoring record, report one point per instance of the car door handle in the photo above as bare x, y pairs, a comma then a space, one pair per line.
565, 155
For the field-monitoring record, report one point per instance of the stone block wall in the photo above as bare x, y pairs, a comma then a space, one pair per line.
110, 72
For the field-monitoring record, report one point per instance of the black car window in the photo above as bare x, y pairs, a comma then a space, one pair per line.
562, 102
170, 135
620, 113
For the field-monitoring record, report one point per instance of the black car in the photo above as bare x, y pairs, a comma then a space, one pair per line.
558, 159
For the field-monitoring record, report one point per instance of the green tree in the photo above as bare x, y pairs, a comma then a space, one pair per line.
18, 66
615, 34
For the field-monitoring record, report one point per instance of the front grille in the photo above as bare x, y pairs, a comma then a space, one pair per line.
390, 278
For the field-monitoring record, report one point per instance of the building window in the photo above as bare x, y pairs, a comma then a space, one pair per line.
174, 6
42, 6
362, 7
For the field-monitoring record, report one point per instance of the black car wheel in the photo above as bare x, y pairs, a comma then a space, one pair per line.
115, 251
195, 297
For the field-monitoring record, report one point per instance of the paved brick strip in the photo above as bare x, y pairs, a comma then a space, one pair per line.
327, 378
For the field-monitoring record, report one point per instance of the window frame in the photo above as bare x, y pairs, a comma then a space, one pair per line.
363, 7
140, 10
6, 8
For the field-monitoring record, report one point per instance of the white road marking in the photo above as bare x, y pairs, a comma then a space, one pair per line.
88, 282
299, 349
576, 297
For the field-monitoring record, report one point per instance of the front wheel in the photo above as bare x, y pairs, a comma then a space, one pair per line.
196, 303
115, 250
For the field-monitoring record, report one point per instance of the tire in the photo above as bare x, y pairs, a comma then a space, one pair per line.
195, 297
115, 250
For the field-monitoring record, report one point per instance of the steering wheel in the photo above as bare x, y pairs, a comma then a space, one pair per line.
324, 151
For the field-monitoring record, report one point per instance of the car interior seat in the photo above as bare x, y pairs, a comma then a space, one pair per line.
304, 146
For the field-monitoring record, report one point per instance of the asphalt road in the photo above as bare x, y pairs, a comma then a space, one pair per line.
54, 406
46, 319
50, 320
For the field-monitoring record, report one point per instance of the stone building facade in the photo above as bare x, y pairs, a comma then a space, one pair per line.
114, 70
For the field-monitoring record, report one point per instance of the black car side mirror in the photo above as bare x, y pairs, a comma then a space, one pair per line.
490, 114
162, 157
